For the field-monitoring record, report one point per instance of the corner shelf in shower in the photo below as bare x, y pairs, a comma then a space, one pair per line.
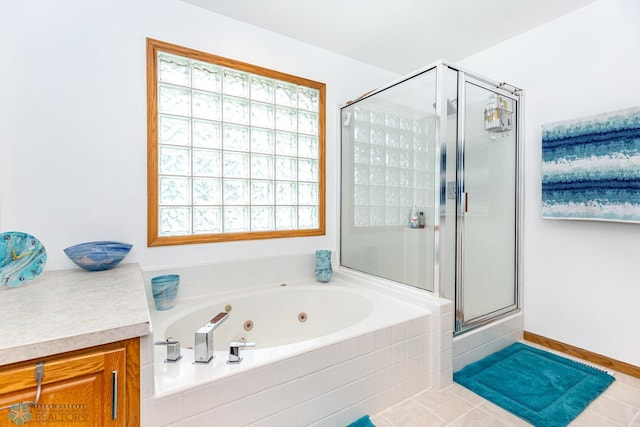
497, 116
497, 120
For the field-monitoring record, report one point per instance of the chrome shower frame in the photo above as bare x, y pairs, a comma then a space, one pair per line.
509, 91
446, 276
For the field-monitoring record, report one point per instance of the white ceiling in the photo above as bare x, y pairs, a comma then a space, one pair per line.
401, 35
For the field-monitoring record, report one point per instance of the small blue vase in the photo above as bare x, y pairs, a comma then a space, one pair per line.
165, 289
323, 265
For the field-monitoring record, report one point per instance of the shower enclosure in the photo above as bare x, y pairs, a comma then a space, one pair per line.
430, 188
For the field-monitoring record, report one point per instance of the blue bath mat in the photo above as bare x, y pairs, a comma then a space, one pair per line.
540, 387
362, 422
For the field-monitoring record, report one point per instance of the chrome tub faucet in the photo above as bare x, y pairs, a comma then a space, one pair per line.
203, 348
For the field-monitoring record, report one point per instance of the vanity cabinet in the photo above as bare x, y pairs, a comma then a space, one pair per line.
98, 386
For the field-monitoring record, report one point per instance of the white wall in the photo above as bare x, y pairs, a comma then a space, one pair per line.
73, 119
581, 285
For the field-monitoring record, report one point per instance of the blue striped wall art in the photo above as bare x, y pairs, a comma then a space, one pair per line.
591, 167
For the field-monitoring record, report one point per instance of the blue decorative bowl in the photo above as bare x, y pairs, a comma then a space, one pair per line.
98, 256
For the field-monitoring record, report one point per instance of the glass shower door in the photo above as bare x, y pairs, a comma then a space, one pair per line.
487, 208
387, 182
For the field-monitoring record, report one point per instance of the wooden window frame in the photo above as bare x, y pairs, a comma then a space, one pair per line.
153, 235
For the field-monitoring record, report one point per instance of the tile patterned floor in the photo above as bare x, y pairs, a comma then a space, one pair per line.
618, 406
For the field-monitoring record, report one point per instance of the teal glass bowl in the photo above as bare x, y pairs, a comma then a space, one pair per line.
98, 256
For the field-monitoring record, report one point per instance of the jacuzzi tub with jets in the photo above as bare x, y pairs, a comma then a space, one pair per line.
342, 342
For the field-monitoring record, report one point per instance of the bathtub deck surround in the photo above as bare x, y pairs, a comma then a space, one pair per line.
284, 337
401, 347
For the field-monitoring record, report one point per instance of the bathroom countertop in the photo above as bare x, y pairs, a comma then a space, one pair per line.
68, 310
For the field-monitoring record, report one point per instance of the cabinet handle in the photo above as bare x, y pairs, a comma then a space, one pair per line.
114, 405
39, 376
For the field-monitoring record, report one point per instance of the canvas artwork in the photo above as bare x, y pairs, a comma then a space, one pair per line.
591, 167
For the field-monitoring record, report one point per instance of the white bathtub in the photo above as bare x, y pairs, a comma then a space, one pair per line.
276, 315
357, 351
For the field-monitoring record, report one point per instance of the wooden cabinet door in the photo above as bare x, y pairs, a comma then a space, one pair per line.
84, 390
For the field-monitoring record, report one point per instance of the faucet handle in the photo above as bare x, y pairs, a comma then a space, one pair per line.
234, 350
173, 349
168, 341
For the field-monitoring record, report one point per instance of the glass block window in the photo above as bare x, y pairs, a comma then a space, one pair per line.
235, 151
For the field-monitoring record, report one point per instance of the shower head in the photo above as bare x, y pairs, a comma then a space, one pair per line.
452, 106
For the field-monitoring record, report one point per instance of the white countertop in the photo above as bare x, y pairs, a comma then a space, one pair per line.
68, 310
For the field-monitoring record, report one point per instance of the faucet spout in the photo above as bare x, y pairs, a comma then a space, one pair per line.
203, 348
218, 319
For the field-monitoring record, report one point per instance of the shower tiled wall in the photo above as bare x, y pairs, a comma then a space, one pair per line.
392, 167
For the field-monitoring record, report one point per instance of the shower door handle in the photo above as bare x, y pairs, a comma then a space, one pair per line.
466, 202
